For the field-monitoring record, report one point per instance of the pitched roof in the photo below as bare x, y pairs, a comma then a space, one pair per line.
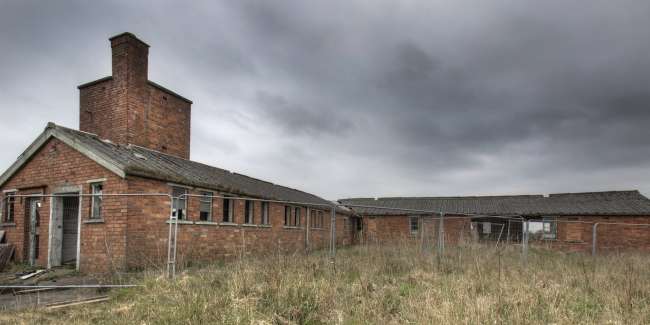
562, 204
138, 161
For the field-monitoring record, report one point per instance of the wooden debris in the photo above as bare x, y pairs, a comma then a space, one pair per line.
69, 303
35, 273
6, 251
28, 291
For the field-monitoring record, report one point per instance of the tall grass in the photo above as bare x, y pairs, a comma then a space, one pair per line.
389, 284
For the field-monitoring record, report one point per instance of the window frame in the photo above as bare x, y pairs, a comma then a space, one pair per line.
206, 197
9, 215
96, 199
176, 202
287, 216
249, 212
551, 234
264, 213
297, 218
316, 219
417, 225
228, 206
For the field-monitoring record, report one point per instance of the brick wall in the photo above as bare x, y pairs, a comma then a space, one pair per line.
200, 241
395, 228
54, 166
575, 234
127, 108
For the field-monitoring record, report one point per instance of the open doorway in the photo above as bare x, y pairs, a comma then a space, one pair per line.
32, 230
64, 230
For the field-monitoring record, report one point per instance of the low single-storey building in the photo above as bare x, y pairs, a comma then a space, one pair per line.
134, 139
563, 221
101, 197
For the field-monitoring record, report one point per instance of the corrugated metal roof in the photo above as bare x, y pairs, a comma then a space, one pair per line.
139, 161
566, 204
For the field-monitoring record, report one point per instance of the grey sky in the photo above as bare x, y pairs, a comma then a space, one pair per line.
364, 98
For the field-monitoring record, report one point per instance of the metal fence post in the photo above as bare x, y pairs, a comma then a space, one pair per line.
524, 245
441, 234
333, 231
594, 233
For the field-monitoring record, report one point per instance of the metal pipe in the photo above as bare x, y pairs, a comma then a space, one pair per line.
333, 232
70, 286
524, 245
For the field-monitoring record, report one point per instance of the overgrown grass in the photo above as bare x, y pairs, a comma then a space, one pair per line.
396, 284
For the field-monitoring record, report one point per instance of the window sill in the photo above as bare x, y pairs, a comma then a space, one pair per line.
292, 227
249, 225
206, 223
8, 224
180, 222
317, 229
264, 226
228, 224
93, 221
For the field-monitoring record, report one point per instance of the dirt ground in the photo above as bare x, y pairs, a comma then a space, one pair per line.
23, 298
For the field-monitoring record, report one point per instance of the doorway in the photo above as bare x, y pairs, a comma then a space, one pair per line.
64, 236
32, 230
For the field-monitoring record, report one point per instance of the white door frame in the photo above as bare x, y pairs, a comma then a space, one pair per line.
64, 190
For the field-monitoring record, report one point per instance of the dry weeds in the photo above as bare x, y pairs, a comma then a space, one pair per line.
383, 285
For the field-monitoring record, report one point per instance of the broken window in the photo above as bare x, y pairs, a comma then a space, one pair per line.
227, 210
96, 201
9, 206
549, 228
248, 212
414, 223
265, 213
179, 202
205, 206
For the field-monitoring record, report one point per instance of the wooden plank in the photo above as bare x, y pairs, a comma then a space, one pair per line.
70, 303
27, 276
28, 291
6, 251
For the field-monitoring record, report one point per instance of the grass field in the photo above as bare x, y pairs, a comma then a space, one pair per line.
379, 285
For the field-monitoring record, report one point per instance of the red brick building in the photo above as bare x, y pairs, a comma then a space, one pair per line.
135, 138
560, 221
64, 201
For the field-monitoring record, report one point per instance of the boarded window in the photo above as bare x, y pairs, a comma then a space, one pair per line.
249, 212
265, 213
96, 201
179, 202
414, 225
205, 206
9, 207
227, 210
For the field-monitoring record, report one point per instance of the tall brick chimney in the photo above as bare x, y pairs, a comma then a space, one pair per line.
127, 108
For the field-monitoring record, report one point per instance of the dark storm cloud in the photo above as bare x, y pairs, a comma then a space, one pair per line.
378, 98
